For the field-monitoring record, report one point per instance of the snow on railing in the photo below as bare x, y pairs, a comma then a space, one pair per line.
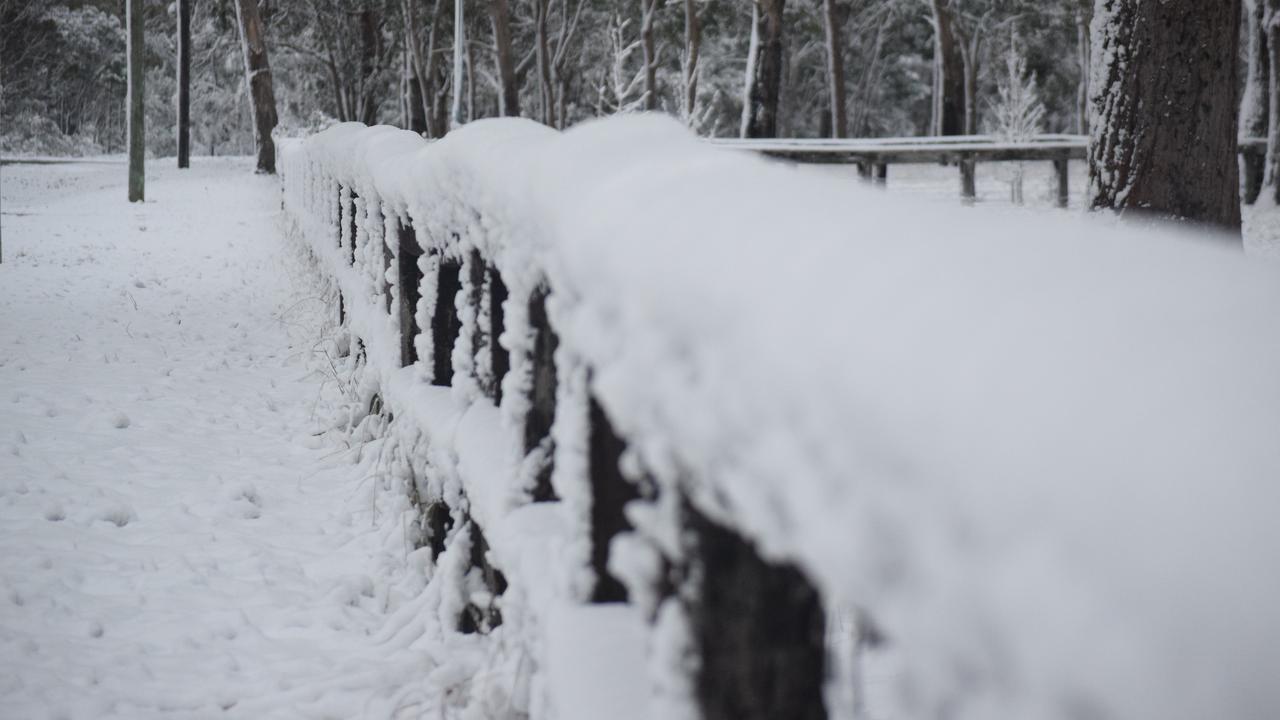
672, 414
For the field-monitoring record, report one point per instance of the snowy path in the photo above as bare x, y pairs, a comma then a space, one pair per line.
176, 539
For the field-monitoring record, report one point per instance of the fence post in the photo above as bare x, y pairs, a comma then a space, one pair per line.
759, 629
1060, 168
499, 357
882, 173
445, 325
610, 493
410, 279
968, 179
542, 395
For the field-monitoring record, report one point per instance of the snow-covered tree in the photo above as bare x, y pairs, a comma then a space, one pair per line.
1017, 113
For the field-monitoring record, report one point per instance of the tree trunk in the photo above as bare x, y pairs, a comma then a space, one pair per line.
137, 48
1164, 135
509, 91
1084, 47
949, 76
766, 79
753, 59
459, 57
370, 50
543, 50
184, 83
1271, 20
835, 68
258, 75
649, 8
1255, 107
692, 46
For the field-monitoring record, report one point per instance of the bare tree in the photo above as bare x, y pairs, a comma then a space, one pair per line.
765, 79
648, 10
184, 83
1165, 110
949, 73
137, 48
833, 15
1271, 21
504, 57
258, 77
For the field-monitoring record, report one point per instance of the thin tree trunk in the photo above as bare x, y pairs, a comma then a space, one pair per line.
766, 86
258, 76
184, 83
969, 55
948, 93
692, 46
648, 9
370, 50
835, 68
1165, 122
1084, 47
509, 91
1255, 106
541, 9
459, 57
137, 136
753, 59
1271, 20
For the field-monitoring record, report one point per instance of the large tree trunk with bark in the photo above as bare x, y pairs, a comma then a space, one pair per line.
258, 75
1271, 20
1164, 135
184, 83
835, 67
137, 49
949, 73
766, 72
1255, 106
504, 55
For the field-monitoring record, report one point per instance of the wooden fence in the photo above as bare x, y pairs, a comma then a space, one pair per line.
873, 156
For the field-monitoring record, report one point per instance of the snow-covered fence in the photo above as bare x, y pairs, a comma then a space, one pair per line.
669, 411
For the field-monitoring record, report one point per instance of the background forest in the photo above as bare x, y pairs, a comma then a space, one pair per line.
558, 61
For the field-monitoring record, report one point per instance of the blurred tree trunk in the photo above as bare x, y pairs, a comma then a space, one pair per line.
504, 56
137, 49
692, 46
949, 73
184, 83
1255, 106
1165, 122
258, 77
1084, 47
648, 9
835, 68
766, 72
1271, 21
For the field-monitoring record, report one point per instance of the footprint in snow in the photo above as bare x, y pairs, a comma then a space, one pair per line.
118, 515
55, 512
120, 421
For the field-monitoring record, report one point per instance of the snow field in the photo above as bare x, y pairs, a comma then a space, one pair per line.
190, 526
1040, 456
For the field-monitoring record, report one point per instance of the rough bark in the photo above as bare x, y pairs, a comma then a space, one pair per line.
504, 56
766, 78
949, 73
835, 67
543, 51
1254, 107
258, 76
1165, 110
137, 136
184, 83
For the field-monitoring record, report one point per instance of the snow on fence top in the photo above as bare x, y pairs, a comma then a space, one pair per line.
1041, 452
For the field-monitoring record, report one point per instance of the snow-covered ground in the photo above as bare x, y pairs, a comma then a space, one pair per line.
179, 537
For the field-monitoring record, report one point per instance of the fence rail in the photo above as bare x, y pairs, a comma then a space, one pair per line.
665, 409
874, 155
